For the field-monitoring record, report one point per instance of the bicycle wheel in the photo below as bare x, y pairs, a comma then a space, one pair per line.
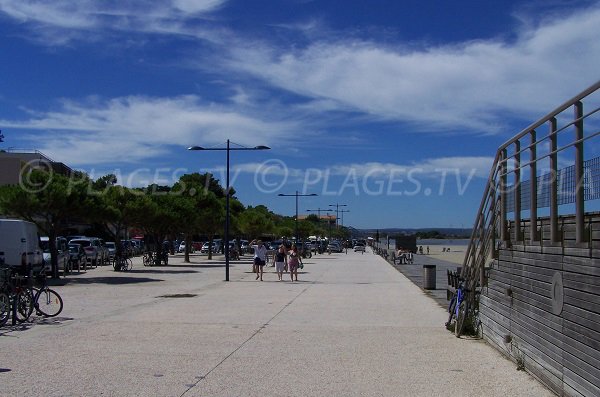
48, 302
4, 308
463, 308
451, 310
24, 302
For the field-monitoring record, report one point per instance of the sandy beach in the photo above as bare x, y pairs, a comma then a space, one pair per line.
456, 253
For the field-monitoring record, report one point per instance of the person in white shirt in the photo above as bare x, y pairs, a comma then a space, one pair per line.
260, 257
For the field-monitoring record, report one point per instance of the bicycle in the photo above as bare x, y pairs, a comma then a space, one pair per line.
460, 307
46, 301
122, 263
148, 258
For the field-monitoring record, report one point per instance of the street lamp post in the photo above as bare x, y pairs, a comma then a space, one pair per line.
342, 211
337, 210
228, 148
296, 195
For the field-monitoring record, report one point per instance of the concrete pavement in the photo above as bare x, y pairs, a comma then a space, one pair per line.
352, 326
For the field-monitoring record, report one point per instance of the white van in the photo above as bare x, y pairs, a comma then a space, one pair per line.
20, 243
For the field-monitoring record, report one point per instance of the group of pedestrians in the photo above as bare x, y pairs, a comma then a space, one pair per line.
284, 260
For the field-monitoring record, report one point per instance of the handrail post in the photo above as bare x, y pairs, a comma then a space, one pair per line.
554, 237
503, 218
579, 175
518, 190
492, 221
533, 189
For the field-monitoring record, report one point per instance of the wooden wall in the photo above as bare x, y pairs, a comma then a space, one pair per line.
541, 307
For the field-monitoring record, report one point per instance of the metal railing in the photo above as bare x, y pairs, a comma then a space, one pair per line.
505, 203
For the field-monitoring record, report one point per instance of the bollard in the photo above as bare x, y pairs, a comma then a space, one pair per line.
429, 280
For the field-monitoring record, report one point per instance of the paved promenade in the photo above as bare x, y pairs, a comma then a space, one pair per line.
352, 326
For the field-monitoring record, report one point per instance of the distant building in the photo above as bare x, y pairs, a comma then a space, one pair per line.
16, 162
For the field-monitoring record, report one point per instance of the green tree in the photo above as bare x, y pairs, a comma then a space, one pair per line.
114, 210
49, 200
256, 221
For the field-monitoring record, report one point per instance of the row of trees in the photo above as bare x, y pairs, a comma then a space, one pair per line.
193, 206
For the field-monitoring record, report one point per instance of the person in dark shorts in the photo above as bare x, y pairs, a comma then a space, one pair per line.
260, 257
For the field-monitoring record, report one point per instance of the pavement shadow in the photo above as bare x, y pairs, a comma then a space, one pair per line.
160, 271
31, 322
109, 280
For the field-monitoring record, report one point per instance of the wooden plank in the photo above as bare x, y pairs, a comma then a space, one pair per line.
584, 335
586, 283
538, 314
582, 299
540, 370
580, 384
581, 350
583, 369
582, 269
544, 339
578, 251
585, 261
581, 316
570, 392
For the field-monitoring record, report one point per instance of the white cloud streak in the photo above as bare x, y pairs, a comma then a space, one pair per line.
478, 166
60, 21
132, 129
473, 85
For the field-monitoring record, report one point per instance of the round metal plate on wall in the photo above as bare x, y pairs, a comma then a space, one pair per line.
557, 293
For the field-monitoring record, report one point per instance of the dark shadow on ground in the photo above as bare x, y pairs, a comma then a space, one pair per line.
159, 271
198, 265
8, 328
109, 280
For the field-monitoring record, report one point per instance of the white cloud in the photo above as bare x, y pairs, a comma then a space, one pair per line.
134, 128
60, 21
477, 166
474, 85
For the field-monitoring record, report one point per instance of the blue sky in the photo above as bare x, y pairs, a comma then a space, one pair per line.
394, 108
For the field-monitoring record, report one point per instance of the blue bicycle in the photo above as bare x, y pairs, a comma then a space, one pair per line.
460, 308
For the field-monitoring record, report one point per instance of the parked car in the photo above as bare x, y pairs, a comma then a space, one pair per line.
94, 251
197, 246
76, 256
112, 249
62, 254
20, 244
215, 248
181, 247
334, 247
359, 247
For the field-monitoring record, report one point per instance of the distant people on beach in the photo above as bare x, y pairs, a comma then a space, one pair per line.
404, 256
427, 250
421, 250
